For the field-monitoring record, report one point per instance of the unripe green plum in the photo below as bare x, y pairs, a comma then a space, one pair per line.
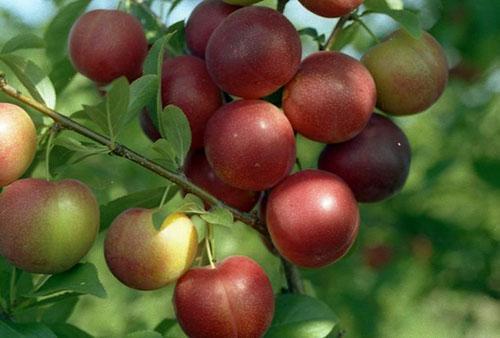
253, 52
202, 22
17, 142
107, 44
242, 2
187, 84
144, 258
411, 74
313, 218
233, 300
375, 164
250, 144
199, 171
331, 98
331, 8
47, 227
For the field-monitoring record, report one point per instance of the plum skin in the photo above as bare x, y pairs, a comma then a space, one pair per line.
199, 171
250, 144
187, 84
107, 44
158, 257
411, 74
242, 2
204, 19
234, 299
313, 218
148, 126
253, 52
47, 227
375, 164
331, 8
331, 98
17, 142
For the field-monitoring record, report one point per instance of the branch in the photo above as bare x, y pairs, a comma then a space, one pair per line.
293, 279
281, 5
122, 151
336, 32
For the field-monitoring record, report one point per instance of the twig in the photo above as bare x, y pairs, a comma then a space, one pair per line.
122, 151
336, 32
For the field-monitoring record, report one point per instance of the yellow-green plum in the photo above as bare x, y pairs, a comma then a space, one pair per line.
47, 227
242, 2
17, 142
233, 300
410, 73
106, 44
331, 8
145, 258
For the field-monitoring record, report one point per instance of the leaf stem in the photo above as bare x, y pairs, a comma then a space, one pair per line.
122, 151
330, 42
367, 29
209, 245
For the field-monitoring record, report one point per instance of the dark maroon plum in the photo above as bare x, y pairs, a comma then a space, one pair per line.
107, 44
187, 84
204, 19
253, 52
331, 98
331, 8
250, 144
375, 164
234, 299
198, 170
148, 126
313, 218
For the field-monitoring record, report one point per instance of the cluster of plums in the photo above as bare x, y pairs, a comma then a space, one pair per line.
242, 147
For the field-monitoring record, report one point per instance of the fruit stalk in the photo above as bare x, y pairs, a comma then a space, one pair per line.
122, 151
336, 32
293, 279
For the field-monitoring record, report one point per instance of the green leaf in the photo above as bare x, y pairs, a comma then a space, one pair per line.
56, 35
117, 101
201, 227
143, 199
97, 115
32, 78
144, 334
165, 325
142, 91
159, 215
23, 41
61, 74
219, 216
5, 274
167, 154
300, 316
177, 42
60, 311
192, 204
154, 60
313, 33
407, 19
174, 127
488, 170
82, 279
64, 330
10, 329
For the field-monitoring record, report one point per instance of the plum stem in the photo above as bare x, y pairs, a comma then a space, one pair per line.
125, 152
293, 279
336, 32
281, 5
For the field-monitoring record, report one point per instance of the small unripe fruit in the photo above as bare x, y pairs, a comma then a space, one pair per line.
47, 227
313, 218
234, 299
331, 8
199, 171
145, 258
250, 144
17, 142
411, 74
253, 52
331, 98
187, 84
204, 19
107, 44
375, 164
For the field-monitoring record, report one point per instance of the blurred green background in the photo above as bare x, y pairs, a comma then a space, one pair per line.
426, 263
